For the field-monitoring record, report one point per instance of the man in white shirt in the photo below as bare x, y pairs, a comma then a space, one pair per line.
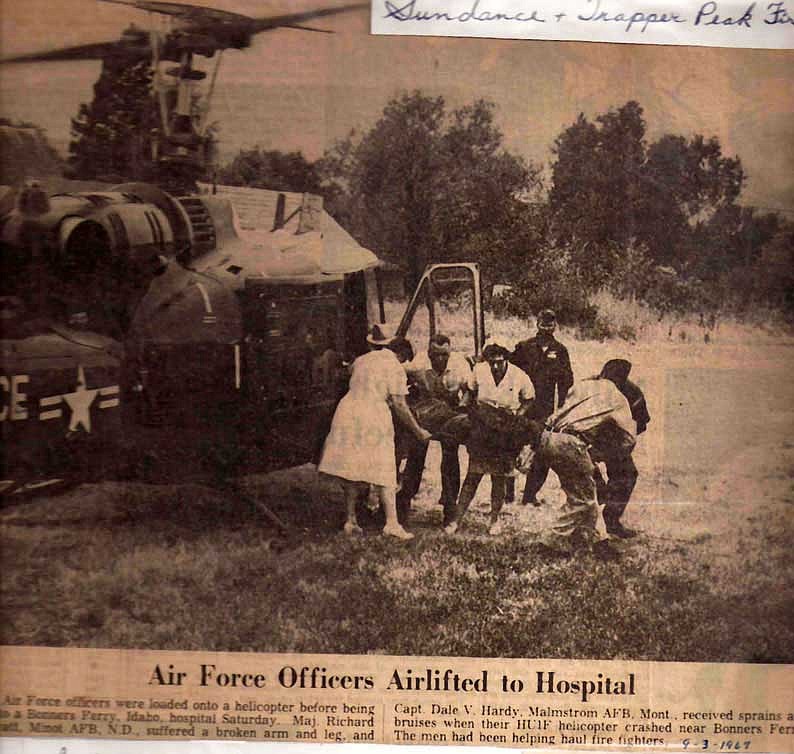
497, 384
594, 424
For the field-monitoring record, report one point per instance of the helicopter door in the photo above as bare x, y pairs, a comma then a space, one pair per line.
292, 357
448, 300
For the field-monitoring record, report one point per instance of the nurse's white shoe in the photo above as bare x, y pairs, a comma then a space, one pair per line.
396, 531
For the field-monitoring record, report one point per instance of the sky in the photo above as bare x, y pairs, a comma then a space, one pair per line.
295, 90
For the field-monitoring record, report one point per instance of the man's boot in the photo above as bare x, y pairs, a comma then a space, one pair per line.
614, 527
623, 532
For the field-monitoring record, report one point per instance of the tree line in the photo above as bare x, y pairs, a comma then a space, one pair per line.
657, 221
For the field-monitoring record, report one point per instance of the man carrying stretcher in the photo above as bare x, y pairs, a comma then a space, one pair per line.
596, 423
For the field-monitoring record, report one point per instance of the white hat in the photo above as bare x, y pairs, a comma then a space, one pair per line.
381, 334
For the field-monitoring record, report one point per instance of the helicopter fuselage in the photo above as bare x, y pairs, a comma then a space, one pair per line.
132, 307
138, 320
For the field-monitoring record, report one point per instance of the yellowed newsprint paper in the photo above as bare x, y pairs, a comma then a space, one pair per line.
524, 704
239, 511
678, 23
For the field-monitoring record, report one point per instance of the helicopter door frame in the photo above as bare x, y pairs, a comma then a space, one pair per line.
425, 291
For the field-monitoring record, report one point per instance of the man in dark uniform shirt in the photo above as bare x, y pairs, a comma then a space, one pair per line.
621, 471
548, 365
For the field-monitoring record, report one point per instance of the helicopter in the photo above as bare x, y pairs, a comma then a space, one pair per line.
140, 323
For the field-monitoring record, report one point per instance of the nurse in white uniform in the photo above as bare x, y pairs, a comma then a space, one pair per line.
359, 448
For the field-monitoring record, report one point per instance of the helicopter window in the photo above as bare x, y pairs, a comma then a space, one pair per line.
294, 335
452, 290
445, 303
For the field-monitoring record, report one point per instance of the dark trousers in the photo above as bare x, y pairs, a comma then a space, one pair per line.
616, 493
411, 479
469, 490
536, 478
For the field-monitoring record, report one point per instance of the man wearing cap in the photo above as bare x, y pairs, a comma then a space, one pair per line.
548, 365
576, 523
443, 385
621, 471
593, 425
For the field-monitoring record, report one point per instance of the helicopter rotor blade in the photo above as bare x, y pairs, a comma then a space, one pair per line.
184, 11
306, 28
293, 19
228, 25
227, 30
201, 15
94, 51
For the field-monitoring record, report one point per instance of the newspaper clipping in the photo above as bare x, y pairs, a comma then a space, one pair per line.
368, 388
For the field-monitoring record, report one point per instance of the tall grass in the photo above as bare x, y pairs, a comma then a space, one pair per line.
628, 321
632, 320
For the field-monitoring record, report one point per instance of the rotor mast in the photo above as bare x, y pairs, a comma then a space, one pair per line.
180, 145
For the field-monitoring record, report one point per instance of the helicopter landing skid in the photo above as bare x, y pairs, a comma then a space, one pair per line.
14, 492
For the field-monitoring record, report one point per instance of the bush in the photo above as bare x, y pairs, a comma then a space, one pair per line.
549, 281
638, 297
603, 328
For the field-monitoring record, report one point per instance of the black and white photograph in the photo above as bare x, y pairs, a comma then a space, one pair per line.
321, 341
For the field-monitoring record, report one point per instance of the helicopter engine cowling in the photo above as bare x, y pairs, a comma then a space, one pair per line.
91, 254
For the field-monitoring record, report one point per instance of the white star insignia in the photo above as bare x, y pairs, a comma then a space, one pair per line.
80, 403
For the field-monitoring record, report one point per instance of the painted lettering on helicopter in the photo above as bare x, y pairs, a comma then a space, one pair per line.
14, 397
77, 403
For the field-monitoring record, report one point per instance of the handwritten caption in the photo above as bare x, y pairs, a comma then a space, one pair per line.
712, 23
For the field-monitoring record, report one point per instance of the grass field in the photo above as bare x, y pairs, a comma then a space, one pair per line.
710, 577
